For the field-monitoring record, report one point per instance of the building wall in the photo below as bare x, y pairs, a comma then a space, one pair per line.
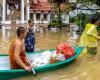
39, 17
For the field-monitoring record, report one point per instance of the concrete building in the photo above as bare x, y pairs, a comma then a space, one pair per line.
23, 12
40, 11
37, 10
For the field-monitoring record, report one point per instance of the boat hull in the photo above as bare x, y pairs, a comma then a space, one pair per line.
9, 74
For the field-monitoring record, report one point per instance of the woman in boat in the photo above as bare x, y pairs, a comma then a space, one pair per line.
30, 38
89, 37
17, 51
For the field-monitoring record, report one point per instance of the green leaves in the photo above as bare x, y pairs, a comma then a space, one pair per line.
89, 2
98, 29
98, 2
55, 23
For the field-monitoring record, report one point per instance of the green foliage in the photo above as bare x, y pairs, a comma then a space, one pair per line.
98, 29
97, 15
85, 1
89, 1
72, 19
82, 19
57, 4
55, 23
57, 7
98, 2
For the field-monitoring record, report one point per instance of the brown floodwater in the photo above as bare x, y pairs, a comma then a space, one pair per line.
83, 68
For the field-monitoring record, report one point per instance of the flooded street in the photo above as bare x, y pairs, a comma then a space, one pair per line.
81, 69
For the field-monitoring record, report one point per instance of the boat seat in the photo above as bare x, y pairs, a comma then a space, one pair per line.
4, 63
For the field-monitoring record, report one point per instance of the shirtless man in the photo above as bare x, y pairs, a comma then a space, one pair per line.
17, 51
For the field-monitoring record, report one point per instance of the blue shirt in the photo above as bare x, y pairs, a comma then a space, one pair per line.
29, 41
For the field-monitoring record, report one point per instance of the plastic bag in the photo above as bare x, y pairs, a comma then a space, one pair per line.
65, 49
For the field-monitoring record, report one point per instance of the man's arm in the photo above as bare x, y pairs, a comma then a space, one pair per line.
18, 59
92, 33
95, 36
16, 55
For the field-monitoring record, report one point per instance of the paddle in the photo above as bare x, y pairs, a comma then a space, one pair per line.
33, 71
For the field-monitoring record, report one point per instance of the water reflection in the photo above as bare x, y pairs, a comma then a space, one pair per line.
80, 69
44, 39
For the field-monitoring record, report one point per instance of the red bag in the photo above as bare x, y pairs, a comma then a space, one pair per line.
65, 49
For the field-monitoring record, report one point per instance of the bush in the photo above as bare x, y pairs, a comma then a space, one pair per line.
80, 20
56, 24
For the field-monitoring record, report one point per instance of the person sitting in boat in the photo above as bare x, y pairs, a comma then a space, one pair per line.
30, 38
17, 51
89, 37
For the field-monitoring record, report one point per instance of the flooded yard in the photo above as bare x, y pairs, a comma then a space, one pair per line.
81, 69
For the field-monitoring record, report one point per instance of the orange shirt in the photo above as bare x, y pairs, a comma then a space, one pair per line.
13, 63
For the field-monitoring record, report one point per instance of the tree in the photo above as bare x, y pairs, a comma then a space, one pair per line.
98, 2
57, 6
89, 2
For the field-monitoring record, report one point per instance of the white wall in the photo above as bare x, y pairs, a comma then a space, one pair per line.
41, 17
65, 18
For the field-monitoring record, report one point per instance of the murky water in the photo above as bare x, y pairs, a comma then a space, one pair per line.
82, 68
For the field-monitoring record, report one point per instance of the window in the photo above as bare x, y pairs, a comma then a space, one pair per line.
31, 16
45, 17
38, 17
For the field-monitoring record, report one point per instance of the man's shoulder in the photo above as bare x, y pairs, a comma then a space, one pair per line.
88, 24
19, 43
31, 29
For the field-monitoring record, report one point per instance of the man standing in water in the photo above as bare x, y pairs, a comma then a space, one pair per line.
17, 51
30, 38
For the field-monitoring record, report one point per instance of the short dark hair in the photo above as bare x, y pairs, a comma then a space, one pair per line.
29, 21
94, 20
20, 30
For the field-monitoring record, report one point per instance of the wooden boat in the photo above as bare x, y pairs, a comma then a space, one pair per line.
6, 73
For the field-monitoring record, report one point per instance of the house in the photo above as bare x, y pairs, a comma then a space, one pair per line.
40, 11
